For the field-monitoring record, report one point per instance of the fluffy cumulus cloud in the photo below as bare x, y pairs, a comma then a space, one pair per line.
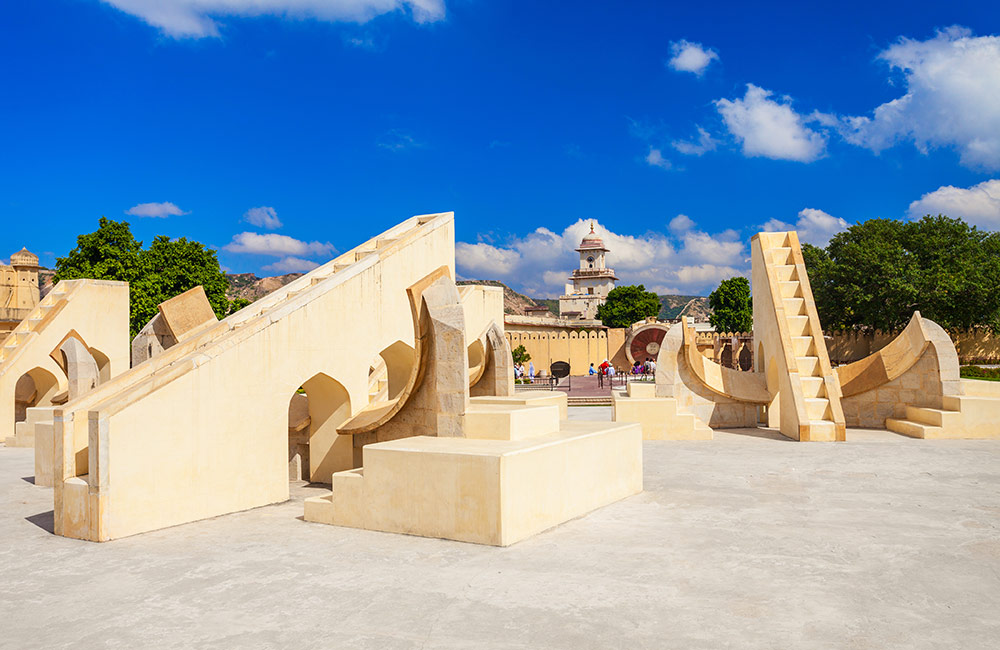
291, 265
952, 98
263, 217
277, 245
691, 57
979, 204
681, 224
770, 128
684, 260
814, 226
198, 18
655, 159
155, 210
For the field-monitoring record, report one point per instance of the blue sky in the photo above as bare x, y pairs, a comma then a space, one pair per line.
280, 131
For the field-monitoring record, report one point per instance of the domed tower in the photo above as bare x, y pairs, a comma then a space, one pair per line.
590, 283
22, 281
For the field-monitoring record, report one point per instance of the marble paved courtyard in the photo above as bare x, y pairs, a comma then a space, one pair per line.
747, 541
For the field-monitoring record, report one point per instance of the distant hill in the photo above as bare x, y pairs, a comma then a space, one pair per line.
249, 286
513, 302
674, 307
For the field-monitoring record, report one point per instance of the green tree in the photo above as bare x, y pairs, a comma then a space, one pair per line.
628, 304
520, 354
732, 309
237, 304
878, 272
166, 269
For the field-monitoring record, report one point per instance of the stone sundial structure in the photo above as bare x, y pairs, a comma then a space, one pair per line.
911, 386
374, 373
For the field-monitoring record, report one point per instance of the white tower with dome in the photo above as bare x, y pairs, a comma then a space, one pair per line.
590, 284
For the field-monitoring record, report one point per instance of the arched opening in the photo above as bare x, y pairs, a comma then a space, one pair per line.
399, 361
36, 387
726, 358
103, 365
745, 358
590, 261
477, 361
315, 450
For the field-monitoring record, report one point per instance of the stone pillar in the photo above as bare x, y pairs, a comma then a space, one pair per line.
81, 368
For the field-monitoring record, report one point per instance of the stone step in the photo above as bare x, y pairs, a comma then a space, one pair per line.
799, 325
813, 387
822, 431
933, 417
786, 273
912, 429
795, 306
591, 401
804, 346
791, 289
782, 256
817, 408
808, 366
510, 422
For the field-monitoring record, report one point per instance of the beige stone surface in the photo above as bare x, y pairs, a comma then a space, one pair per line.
227, 389
659, 417
185, 313
791, 351
97, 311
494, 492
242, 427
553, 398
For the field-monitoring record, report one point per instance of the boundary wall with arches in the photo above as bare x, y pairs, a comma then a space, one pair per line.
578, 347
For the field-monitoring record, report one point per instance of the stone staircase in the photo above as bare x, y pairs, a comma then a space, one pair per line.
922, 422
43, 313
798, 322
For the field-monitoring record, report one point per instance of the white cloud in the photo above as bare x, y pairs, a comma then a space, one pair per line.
703, 144
813, 226
197, 18
155, 210
479, 259
770, 128
276, 245
655, 159
952, 98
979, 204
681, 224
691, 57
262, 217
687, 261
291, 265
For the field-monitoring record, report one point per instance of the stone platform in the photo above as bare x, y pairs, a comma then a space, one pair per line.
519, 471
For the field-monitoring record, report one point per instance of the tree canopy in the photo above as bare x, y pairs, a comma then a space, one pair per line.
877, 273
732, 309
628, 304
164, 270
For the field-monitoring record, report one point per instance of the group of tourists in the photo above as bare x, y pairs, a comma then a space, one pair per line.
604, 370
645, 368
